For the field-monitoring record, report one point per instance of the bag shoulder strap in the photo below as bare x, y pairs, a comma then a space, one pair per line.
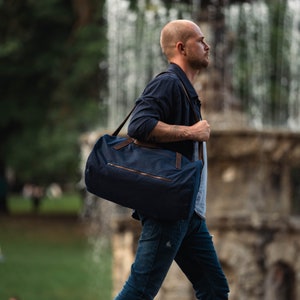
117, 131
187, 96
200, 144
186, 93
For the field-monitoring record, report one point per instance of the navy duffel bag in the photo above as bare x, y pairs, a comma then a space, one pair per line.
156, 182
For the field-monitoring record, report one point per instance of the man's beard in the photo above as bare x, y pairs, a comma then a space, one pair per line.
198, 64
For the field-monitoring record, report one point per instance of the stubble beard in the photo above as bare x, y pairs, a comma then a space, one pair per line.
197, 64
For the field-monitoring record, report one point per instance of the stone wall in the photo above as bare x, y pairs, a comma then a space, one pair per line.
251, 215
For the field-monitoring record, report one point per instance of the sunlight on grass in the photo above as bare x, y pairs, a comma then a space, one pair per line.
67, 203
51, 259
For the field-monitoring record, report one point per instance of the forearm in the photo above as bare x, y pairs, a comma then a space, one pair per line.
165, 133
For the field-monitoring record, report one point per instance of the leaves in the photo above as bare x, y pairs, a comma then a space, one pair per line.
49, 81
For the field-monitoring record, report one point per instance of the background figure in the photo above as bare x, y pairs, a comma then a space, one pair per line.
35, 194
3, 191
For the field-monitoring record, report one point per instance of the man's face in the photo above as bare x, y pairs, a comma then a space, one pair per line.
197, 50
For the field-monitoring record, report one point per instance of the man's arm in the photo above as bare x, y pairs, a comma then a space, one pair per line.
165, 133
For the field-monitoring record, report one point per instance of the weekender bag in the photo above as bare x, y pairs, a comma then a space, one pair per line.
156, 182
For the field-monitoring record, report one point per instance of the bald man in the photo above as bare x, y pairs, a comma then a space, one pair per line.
164, 115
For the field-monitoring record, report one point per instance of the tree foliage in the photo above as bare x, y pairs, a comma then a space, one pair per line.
50, 82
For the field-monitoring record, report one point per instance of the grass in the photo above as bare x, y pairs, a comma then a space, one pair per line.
49, 257
69, 203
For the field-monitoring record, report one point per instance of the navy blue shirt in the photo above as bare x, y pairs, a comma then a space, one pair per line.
164, 100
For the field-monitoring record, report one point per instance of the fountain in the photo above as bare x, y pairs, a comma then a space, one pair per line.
255, 78
251, 97
134, 51
263, 63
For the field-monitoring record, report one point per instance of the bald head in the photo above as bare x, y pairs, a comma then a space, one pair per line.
174, 32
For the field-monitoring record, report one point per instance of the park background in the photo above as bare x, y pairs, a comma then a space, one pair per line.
66, 69
52, 90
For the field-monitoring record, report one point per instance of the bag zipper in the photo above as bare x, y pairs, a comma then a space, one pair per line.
139, 172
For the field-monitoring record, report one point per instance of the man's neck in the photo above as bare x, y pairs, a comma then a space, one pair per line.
190, 73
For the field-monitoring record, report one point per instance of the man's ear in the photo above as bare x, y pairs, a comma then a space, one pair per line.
180, 48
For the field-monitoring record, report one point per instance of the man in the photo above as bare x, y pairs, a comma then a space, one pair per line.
164, 115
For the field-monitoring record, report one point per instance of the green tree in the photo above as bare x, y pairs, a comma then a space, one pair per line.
50, 80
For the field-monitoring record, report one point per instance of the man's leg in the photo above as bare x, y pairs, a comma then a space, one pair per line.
157, 247
198, 260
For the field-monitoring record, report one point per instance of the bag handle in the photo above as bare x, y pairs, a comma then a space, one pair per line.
186, 93
187, 96
200, 144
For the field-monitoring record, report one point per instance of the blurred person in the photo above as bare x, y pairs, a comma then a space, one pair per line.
3, 190
35, 194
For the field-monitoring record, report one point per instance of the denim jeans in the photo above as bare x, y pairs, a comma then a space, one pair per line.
189, 243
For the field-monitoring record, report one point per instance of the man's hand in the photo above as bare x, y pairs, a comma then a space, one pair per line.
200, 131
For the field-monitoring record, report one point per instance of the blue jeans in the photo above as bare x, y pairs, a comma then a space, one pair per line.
189, 243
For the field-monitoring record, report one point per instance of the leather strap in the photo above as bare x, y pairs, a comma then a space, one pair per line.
200, 144
155, 146
123, 144
148, 145
178, 160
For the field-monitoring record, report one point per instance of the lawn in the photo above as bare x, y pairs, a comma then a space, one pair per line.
47, 256
69, 203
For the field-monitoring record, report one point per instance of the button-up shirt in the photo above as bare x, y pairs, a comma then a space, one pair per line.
164, 99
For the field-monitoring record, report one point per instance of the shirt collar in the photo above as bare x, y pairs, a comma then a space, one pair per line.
180, 73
